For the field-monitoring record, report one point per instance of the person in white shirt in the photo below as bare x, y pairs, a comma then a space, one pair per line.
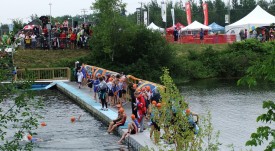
33, 38
22, 39
79, 78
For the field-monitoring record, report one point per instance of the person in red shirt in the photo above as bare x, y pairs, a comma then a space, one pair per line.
141, 109
73, 40
62, 40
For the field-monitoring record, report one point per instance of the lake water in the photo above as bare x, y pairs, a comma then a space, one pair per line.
88, 134
234, 112
234, 109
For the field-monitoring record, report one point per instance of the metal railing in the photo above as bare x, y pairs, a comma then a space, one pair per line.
44, 74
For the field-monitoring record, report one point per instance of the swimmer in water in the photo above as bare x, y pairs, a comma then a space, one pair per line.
30, 138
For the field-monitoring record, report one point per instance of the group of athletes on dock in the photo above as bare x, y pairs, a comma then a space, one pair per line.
111, 89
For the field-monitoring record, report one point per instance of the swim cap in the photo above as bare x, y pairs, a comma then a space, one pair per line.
133, 116
159, 105
187, 111
121, 110
143, 89
43, 124
72, 119
29, 137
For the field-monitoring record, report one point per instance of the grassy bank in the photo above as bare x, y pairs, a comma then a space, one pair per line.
45, 59
56, 58
184, 49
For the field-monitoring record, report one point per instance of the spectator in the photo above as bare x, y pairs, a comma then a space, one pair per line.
79, 78
28, 41
201, 36
33, 39
241, 33
176, 34
22, 39
62, 40
73, 40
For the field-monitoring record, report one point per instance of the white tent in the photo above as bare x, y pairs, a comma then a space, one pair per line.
195, 26
256, 18
152, 26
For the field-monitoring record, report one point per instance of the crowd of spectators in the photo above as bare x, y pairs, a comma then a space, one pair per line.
59, 36
263, 34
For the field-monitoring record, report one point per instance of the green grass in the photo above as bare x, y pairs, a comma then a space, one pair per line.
45, 59
54, 58
183, 49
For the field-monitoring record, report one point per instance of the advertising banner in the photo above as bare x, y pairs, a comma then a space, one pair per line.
188, 12
205, 13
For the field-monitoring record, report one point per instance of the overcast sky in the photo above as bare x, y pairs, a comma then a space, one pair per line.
22, 9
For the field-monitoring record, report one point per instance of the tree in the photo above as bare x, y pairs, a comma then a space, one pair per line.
18, 109
108, 14
17, 25
263, 69
123, 46
172, 118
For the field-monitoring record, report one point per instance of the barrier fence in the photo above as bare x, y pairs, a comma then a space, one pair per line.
208, 39
44, 74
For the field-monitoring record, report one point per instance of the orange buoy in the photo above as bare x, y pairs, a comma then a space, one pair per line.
43, 124
72, 119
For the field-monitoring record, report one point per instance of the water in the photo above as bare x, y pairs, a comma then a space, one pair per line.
234, 109
60, 134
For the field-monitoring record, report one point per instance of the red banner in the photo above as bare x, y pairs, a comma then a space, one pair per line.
205, 13
188, 12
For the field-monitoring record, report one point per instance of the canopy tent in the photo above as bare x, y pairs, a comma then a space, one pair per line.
195, 26
152, 26
215, 27
171, 29
28, 27
256, 18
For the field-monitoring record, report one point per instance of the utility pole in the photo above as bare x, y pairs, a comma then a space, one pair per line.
84, 13
140, 11
228, 11
148, 7
50, 12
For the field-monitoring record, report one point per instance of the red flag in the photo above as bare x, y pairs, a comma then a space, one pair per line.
205, 13
188, 12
